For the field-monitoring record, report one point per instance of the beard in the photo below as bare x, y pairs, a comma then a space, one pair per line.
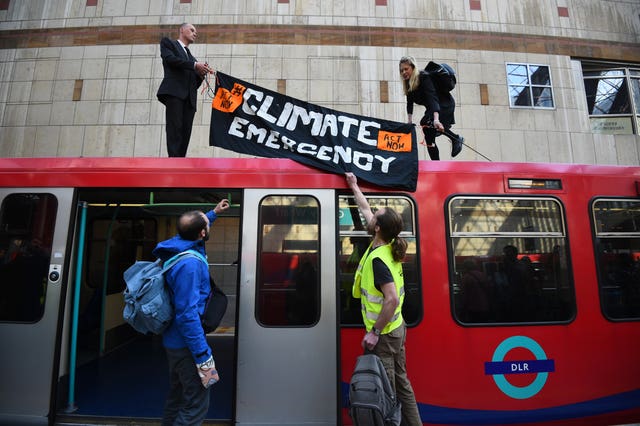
371, 229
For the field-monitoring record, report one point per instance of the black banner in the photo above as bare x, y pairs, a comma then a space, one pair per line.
252, 120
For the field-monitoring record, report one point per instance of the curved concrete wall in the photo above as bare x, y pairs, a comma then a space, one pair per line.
78, 77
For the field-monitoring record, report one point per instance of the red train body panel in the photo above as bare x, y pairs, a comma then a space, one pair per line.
446, 360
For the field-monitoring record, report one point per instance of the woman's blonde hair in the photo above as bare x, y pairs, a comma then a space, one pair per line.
414, 81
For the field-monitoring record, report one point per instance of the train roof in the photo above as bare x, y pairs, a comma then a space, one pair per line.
195, 172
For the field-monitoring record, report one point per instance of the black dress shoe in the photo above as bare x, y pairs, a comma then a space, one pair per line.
456, 146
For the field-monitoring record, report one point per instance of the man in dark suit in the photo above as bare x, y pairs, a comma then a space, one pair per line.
183, 74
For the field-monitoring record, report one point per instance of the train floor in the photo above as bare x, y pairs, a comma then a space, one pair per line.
131, 382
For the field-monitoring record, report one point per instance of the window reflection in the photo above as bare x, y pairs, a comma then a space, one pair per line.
542, 97
612, 93
519, 96
26, 237
540, 75
288, 273
529, 86
617, 234
509, 261
607, 96
604, 73
517, 74
635, 89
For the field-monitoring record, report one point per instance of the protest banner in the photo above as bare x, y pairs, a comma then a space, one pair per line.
252, 120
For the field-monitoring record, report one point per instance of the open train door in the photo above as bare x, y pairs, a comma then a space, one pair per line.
287, 325
33, 236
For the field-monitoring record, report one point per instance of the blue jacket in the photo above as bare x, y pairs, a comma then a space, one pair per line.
189, 282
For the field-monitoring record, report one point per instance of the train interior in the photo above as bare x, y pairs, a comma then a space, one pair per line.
122, 373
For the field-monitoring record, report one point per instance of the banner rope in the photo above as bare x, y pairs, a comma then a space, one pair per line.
429, 125
207, 87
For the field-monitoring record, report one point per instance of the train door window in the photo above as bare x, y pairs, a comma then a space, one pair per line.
510, 261
354, 240
26, 236
288, 273
617, 245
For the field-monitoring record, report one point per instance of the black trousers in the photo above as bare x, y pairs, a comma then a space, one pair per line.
179, 116
188, 401
430, 135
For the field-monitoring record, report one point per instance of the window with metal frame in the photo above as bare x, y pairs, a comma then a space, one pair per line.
509, 260
530, 86
613, 97
617, 246
288, 280
354, 240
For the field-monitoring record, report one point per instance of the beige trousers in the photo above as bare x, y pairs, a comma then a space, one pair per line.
390, 349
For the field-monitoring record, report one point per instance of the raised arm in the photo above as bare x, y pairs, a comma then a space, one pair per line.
361, 201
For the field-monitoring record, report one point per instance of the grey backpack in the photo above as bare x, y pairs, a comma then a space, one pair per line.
372, 401
147, 299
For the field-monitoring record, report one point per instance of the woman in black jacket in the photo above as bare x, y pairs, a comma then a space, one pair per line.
438, 116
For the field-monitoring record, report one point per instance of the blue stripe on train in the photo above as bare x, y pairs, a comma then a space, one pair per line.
457, 416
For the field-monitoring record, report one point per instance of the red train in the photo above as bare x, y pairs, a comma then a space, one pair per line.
522, 281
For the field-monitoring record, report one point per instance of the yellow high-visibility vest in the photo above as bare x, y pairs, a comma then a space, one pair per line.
370, 297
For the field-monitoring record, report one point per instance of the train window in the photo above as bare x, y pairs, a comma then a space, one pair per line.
288, 273
510, 261
617, 245
26, 235
354, 240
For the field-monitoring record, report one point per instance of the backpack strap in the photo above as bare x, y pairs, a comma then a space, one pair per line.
189, 253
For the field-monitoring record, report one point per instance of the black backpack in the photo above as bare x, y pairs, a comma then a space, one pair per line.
214, 309
442, 76
372, 401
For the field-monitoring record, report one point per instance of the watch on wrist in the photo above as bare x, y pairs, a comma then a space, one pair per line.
375, 331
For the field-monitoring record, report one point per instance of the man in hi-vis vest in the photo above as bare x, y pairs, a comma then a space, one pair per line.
379, 285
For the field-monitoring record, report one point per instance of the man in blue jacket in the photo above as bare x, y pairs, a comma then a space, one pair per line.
191, 365
183, 74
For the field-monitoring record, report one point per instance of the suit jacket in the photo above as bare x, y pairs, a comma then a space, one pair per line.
180, 78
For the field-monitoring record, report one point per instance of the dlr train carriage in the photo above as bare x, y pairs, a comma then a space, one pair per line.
522, 290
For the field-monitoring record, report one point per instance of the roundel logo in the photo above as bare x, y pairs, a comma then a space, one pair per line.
501, 369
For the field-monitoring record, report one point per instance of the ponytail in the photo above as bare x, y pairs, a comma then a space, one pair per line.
398, 248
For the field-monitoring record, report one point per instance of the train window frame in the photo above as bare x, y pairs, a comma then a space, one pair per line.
28, 249
289, 246
607, 293
535, 275
349, 308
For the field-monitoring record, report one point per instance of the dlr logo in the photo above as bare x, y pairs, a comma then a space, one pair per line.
519, 367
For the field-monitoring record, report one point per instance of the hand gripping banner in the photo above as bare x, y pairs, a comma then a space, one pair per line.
249, 119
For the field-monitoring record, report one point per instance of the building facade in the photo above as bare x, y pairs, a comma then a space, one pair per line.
538, 81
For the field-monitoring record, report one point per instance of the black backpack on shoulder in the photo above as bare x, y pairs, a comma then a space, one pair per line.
442, 75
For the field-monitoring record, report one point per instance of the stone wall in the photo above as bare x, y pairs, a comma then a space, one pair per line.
78, 77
